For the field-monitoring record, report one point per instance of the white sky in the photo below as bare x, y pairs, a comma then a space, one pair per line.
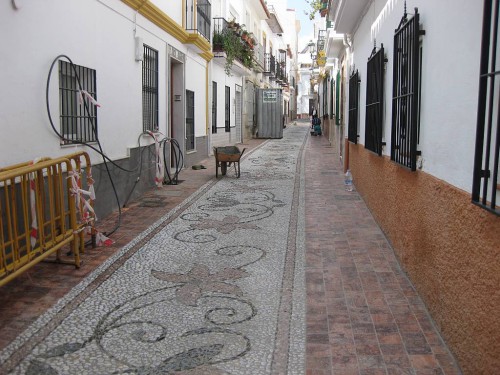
306, 25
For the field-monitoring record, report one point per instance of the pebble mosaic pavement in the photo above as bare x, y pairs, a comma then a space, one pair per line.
214, 287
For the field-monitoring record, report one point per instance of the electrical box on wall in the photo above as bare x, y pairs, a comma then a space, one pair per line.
139, 49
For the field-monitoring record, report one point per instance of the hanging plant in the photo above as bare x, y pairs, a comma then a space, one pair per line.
232, 46
315, 6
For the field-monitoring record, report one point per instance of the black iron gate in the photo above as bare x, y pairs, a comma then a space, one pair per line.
375, 101
352, 131
405, 91
485, 186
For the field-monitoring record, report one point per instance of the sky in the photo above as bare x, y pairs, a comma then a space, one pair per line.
306, 25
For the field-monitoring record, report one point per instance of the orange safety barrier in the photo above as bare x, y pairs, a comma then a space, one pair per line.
41, 211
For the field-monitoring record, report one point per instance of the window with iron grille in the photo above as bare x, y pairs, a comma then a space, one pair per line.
485, 186
375, 100
227, 109
352, 131
189, 120
214, 107
150, 89
78, 115
406, 91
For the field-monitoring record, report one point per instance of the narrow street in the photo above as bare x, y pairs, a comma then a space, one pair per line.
281, 271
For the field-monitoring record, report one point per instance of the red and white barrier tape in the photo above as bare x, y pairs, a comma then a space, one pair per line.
160, 170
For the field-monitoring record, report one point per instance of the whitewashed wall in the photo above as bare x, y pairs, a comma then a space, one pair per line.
94, 34
196, 73
218, 75
450, 76
172, 8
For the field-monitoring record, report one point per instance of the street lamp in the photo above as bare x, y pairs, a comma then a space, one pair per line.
312, 51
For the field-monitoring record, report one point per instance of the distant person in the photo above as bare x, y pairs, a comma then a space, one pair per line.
316, 125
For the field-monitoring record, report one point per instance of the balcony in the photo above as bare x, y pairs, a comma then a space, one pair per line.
269, 65
198, 28
200, 22
273, 21
346, 14
320, 45
258, 58
232, 42
281, 76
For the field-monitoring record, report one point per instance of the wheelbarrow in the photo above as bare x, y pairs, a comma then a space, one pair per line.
225, 156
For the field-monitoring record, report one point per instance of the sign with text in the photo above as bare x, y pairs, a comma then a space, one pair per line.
269, 96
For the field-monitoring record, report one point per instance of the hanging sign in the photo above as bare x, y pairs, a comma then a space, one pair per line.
321, 59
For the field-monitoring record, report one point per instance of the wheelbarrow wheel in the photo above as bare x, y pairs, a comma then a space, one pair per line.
223, 168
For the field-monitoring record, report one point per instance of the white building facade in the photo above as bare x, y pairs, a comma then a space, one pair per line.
122, 72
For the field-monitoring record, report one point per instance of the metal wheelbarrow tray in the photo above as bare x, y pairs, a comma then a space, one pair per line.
227, 155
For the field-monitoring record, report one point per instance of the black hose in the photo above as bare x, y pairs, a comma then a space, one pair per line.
178, 160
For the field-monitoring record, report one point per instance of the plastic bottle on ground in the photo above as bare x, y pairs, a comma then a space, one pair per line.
348, 181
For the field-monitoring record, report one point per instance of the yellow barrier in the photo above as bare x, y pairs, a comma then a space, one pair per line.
38, 213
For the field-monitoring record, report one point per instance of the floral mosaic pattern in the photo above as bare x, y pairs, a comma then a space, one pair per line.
199, 280
200, 297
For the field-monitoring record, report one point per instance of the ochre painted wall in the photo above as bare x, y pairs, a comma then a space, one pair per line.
449, 247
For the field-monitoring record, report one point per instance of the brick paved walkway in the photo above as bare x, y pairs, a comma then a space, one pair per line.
363, 315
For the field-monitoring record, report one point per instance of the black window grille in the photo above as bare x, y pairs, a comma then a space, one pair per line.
189, 120
406, 91
150, 89
214, 107
325, 98
485, 187
375, 100
78, 115
332, 95
204, 15
352, 132
227, 109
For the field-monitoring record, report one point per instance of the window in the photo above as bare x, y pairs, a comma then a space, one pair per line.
352, 131
227, 108
214, 107
485, 186
150, 90
204, 10
375, 100
189, 120
406, 92
78, 109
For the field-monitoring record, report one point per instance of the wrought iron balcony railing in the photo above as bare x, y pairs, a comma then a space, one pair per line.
203, 17
258, 57
320, 45
269, 65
